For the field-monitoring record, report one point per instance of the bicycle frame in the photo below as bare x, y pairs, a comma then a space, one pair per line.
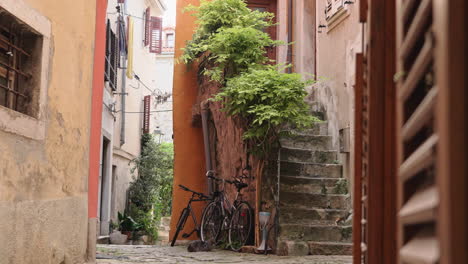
194, 218
226, 207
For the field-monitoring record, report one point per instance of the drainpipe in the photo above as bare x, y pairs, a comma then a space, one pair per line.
290, 33
206, 141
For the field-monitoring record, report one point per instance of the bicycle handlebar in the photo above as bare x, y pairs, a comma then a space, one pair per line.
194, 192
218, 179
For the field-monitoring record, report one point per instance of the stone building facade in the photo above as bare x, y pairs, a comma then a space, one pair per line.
123, 111
44, 129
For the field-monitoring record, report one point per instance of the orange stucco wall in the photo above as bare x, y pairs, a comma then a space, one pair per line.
189, 160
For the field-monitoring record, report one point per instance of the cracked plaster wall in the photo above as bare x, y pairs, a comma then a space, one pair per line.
43, 180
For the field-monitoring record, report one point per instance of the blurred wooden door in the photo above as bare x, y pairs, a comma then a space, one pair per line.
267, 6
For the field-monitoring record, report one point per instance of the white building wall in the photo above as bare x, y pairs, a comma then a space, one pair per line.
118, 175
161, 117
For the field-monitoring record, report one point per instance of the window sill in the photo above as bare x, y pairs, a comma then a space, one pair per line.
21, 124
337, 18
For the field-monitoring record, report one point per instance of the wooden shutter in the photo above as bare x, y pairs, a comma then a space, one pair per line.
417, 138
107, 64
146, 114
147, 23
156, 35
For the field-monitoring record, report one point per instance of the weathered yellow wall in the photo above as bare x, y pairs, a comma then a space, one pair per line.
43, 183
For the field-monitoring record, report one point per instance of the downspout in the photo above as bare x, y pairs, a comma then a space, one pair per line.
206, 141
290, 34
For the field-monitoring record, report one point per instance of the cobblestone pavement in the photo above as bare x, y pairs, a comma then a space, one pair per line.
113, 254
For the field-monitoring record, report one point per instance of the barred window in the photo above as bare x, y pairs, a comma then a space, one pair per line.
20, 53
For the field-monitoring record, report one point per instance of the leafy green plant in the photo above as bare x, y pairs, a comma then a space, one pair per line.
126, 222
229, 38
150, 193
267, 98
230, 46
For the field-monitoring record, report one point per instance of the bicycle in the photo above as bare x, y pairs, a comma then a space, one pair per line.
196, 197
220, 216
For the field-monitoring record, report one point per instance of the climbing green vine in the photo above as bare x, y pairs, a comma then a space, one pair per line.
230, 44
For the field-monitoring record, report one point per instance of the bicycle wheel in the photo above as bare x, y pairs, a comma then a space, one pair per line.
240, 226
180, 225
211, 222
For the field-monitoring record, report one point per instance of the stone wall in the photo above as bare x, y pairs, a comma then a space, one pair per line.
228, 149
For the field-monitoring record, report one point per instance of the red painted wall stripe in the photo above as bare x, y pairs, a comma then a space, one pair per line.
96, 107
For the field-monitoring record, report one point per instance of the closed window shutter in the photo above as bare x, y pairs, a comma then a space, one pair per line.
147, 26
146, 114
156, 35
106, 65
417, 137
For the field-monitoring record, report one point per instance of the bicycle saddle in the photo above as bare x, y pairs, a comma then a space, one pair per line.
240, 185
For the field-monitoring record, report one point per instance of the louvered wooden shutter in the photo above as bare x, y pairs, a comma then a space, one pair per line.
147, 26
417, 138
156, 35
146, 114
106, 65
115, 56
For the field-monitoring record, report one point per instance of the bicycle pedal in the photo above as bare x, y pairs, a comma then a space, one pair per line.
185, 235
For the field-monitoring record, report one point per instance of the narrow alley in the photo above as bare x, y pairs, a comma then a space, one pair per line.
114, 254
233, 131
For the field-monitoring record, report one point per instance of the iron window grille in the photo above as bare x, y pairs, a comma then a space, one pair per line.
20, 48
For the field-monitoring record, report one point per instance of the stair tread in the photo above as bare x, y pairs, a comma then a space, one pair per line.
330, 243
308, 150
314, 225
319, 194
313, 163
286, 208
312, 178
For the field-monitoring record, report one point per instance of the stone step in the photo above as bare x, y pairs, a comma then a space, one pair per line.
314, 185
307, 200
295, 215
163, 236
103, 240
317, 110
310, 142
317, 129
330, 248
324, 233
313, 156
313, 170
319, 114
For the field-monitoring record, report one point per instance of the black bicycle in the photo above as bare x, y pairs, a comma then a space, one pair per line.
196, 197
221, 217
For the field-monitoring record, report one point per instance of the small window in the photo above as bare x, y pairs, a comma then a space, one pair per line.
333, 7
170, 40
20, 67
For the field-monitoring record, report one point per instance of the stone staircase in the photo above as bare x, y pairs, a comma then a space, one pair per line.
314, 200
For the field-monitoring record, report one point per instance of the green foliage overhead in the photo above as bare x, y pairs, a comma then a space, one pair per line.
230, 44
229, 37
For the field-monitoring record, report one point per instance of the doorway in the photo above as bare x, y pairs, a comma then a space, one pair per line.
105, 183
